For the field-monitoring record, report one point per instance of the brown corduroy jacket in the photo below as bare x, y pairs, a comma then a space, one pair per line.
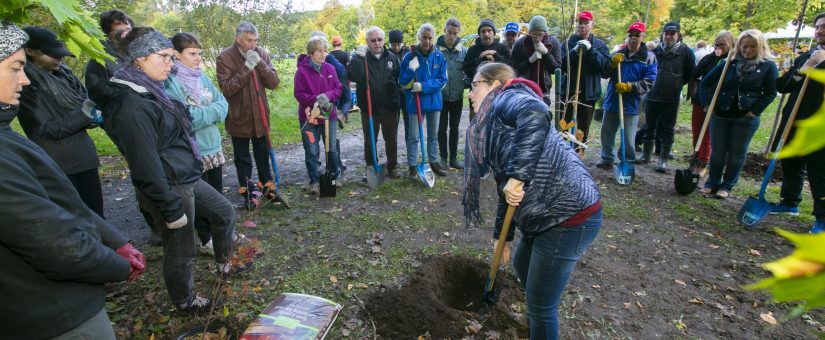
235, 81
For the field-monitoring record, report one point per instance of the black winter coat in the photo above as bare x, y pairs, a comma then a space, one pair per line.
61, 133
739, 96
472, 61
523, 49
56, 253
791, 83
595, 62
384, 89
675, 70
97, 75
153, 142
705, 65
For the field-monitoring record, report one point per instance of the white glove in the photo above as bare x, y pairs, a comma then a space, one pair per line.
252, 59
536, 56
414, 64
178, 224
361, 51
539, 47
416, 87
583, 44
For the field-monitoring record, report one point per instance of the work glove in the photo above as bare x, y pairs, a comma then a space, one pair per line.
92, 112
624, 87
177, 224
505, 254
361, 50
616, 60
583, 45
536, 56
313, 114
416, 87
413, 64
137, 262
252, 59
513, 191
539, 47
322, 102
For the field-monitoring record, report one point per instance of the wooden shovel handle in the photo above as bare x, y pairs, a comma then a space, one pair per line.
795, 109
502, 240
712, 106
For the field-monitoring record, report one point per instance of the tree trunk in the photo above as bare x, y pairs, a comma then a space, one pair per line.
748, 13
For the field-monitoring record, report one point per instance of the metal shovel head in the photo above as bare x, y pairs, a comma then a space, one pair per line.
685, 181
327, 185
625, 172
489, 296
279, 197
753, 211
376, 175
425, 173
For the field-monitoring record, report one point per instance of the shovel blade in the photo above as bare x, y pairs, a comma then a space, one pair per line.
327, 185
425, 173
279, 197
376, 175
753, 211
625, 173
489, 296
685, 181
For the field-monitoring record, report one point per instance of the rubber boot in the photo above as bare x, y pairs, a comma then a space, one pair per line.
661, 165
647, 149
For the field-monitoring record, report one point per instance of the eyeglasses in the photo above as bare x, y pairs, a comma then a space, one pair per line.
167, 58
377, 40
475, 83
632, 35
537, 36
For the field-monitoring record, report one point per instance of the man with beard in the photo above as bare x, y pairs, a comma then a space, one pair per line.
511, 33
485, 49
452, 94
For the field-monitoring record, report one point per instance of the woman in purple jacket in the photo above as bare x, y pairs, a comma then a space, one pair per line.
316, 88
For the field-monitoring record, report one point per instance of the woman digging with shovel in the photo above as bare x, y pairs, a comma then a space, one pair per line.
557, 204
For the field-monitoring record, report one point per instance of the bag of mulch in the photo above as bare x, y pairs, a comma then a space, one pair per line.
294, 316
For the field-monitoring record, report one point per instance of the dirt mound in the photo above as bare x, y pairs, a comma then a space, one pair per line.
443, 299
757, 164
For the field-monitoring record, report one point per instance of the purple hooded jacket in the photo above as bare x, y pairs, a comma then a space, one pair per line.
310, 83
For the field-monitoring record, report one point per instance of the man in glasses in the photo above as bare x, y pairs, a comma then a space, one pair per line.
537, 56
595, 62
638, 68
485, 49
382, 69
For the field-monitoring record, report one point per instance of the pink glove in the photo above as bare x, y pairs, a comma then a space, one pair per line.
136, 260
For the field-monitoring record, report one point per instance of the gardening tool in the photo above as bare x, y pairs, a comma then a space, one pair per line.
262, 113
686, 180
376, 174
576, 102
768, 146
489, 296
625, 172
425, 173
756, 208
327, 179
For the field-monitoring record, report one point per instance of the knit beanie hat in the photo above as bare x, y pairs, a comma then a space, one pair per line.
151, 42
12, 38
487, 22
396, 37
538, 23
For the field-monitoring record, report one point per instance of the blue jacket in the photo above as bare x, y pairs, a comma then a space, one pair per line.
205, 115
752, 94
431, 73
640, 71
594, 62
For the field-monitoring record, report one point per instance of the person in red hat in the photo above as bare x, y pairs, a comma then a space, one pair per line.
595, 62
638, 68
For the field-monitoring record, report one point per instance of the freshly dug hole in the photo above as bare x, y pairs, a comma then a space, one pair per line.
442, 298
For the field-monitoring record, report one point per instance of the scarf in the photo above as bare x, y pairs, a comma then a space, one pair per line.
190, 78
672, 48
314, 65
744, 66
475, 158
57, 86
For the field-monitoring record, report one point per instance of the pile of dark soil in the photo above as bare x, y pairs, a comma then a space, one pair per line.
757, 164
443, 299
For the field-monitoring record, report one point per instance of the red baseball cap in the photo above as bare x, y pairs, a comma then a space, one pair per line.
337, 41
638, 26
586, 15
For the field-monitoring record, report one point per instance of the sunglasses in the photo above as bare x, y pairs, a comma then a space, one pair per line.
634, 35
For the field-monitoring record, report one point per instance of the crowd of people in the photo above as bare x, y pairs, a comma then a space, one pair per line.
162, 112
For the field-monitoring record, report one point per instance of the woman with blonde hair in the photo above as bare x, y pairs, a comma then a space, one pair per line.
748, 88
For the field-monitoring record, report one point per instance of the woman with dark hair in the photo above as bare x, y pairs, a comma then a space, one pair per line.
558, 203
156, 137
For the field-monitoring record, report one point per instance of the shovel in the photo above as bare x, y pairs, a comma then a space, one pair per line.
489, 286
327, 179
756, 208
376, 174
425, 173
625, 172
576, 103
685, 181
265, 122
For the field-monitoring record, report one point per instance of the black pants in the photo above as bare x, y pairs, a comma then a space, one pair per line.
640, 138
243, 162
388, 121
793, 178
450, 114
213, 177
660, 119
87, 184
404, 115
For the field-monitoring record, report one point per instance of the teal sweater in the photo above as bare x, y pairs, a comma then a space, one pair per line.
205, 118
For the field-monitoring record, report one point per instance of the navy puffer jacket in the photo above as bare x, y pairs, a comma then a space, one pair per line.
523, 144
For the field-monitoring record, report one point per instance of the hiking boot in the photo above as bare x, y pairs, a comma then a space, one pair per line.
393, 173
784, 208
197, 305
605, 165
413, 173
312, 187
661, 165
455, 164
646, 154
438, 170
818, 227
207, 249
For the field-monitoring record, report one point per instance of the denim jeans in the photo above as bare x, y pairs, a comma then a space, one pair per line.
98, 327
179, 244
610, 125
544, 263
432, 138
729, 140
312, 149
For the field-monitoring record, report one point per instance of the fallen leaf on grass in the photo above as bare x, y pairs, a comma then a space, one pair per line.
394, 201
447, 233
249, 224
474, 327
680, 282
768, 317
454, 193
713, 246
697, 301
333, 279
755, 252
493, 335
638, 304
225, 310
680, 325
350, 286
596, 287
627, 305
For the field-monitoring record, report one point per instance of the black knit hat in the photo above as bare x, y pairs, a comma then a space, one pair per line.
487, 22
396, 37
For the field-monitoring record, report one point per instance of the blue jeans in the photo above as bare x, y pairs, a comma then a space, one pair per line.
432, 138
543, 263
610, 125
729, 140
312, 149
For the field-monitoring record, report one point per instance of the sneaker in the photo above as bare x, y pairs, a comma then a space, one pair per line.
818, 227
722, 194
393, 173
605, 165
784, 208
197, 305
207, 249
661, 166
438, 170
